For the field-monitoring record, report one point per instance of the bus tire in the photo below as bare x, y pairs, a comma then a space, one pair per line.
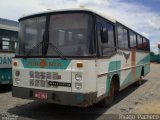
139, 82
108, 100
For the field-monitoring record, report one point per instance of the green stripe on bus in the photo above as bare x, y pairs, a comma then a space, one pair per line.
47, 63
5, 75
113, 66
129, 77
144, 60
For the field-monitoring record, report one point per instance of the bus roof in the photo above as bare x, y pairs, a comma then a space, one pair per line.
106, 16
8, 24
99, 13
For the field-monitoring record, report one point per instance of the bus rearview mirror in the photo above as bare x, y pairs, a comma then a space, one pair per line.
104, 36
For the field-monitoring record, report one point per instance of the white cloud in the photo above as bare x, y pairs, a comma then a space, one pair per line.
97, 2
13, 9
59, 4
154, 23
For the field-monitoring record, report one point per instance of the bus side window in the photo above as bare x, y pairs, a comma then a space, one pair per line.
106, 38
5, 43
140, 42
12, 43
125, 38
146, 44
100, 25
132, 37
122, 37
0, 43
109, 46
7, 40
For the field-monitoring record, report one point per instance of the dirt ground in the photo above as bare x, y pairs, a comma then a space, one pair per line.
133, 100
151, 92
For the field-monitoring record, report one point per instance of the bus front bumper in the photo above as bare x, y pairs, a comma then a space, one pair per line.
58, 97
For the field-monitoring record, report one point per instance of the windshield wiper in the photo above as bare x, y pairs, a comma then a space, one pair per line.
45, 45
38, 44
52, 45
57, 51
31, 50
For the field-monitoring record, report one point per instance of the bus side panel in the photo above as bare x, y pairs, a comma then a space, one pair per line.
106, 68
127, 64
6, 68
144, 61
146, 69
127, 74
5, 76
143, 64
132, 69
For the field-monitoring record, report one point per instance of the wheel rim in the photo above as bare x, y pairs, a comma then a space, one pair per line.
111, 94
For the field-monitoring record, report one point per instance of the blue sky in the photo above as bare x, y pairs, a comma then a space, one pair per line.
141, 15
152, 4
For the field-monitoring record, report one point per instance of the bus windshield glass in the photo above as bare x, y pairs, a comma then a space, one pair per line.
70, 33
30, 34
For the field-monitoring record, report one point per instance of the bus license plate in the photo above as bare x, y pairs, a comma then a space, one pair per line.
41, 95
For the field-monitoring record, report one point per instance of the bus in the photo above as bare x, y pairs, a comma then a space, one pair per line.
77, 57
8, 38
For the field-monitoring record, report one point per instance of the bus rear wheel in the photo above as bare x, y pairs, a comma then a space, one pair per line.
107, 101
139, 82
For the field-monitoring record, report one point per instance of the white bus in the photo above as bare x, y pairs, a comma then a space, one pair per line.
8, 38
77, 57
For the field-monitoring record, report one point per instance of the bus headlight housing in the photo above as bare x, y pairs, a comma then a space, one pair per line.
78, 86
17, 80
17, 73
78, 77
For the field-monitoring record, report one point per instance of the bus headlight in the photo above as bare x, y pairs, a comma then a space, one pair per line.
17, 73
17, 80
78, 86
78, 77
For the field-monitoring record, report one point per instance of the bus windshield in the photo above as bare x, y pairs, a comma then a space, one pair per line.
70, 33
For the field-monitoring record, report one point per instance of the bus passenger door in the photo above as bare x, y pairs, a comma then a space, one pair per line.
106, 54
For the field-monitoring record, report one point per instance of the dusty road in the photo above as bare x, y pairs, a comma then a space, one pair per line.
142, 100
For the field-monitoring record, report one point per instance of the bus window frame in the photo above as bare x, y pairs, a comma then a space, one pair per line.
47, 22
9, 41
124, 27
130, 39
114, 30
138, 50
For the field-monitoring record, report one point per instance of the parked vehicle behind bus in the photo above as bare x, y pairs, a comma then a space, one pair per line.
77, 57
8, 38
